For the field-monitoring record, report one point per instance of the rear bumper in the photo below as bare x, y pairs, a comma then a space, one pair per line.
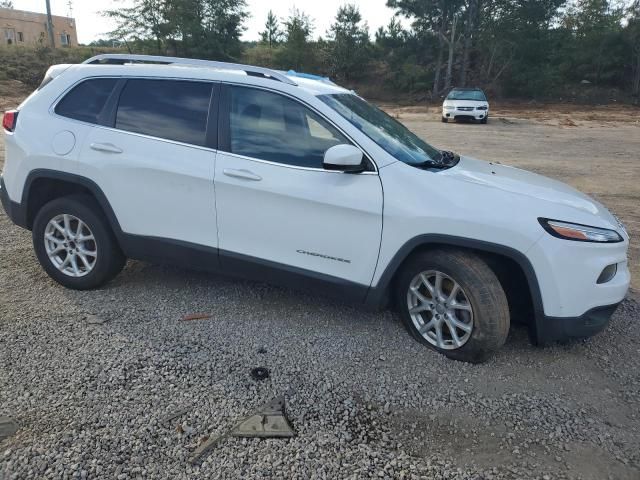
553, 329
13, 209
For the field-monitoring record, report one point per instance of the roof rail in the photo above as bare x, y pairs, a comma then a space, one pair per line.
121, 59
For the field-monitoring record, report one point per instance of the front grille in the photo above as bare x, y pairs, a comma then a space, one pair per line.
465, 109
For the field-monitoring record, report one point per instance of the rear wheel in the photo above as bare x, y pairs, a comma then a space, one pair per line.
453, 302
75, 244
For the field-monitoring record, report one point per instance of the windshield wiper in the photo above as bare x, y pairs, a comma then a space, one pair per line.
448, 159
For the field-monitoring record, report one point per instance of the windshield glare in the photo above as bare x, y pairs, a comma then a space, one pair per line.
475, 95
389, 134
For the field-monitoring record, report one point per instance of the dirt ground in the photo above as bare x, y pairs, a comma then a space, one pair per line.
596, 150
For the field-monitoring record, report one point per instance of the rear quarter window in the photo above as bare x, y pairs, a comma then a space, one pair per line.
168, 109
86, 100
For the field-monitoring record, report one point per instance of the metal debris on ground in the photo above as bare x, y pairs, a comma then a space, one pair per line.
173, 415
260, 373
268, 422
7, 427
195, 316
92, 319
205, 447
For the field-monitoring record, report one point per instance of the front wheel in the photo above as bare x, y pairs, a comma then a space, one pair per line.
445, 120
75, 244
452, 301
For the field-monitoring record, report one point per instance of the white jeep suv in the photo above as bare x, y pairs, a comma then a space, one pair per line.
465, 103
299, 182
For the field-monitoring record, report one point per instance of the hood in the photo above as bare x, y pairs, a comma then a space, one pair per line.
522, 182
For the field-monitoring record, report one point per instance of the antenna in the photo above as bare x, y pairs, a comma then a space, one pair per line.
70, 14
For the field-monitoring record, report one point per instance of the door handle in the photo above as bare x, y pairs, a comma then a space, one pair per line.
242, 174
105, 147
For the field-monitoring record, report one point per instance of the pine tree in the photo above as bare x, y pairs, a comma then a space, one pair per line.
297, 50
272, 33
349, 48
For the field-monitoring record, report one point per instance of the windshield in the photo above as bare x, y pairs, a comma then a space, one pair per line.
396, 139
476, 95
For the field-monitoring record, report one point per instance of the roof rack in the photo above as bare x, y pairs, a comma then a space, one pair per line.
119, 59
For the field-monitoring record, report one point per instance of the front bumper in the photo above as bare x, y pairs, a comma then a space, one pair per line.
475, 114
576, 301
13, 209
568, 273
553, 329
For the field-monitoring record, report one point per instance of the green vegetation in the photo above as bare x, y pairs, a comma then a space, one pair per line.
542, 49
28, 65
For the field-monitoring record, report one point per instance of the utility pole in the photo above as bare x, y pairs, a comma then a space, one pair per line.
52, 41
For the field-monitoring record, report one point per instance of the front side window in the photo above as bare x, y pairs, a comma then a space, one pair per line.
269, 126
389, 134
86, 100
169, 109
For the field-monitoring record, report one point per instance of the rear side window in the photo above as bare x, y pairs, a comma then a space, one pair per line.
86, 101
269, 126
174, 110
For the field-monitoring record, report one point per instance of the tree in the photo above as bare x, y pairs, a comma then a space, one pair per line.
596, 26
632, 33
6, 4
470, 25
296, 51
146, 19
349, 47
200, 28
521, 43
272, 33
434, 16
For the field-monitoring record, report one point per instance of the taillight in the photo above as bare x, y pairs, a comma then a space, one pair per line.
9, 120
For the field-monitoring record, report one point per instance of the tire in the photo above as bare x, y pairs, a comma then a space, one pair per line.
96, 243
487, 322
445, 120
485, 120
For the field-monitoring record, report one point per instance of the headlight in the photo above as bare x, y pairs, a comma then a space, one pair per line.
579, 233
449, 107
481, 108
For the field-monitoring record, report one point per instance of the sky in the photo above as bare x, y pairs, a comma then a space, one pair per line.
91, 25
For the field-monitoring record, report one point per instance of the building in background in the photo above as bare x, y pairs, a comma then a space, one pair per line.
18, 27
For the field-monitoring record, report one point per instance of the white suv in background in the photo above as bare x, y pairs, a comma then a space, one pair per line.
466, 103
299, 182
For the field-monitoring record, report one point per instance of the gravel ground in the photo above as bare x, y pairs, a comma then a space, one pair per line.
91, 378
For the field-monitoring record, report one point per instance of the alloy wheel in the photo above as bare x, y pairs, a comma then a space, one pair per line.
70, 245
440, 310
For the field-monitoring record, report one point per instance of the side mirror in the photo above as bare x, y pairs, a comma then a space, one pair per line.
344, 158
